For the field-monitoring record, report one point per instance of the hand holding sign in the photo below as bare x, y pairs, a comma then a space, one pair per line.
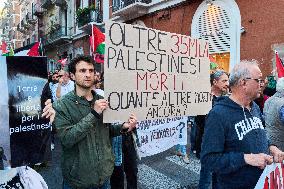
258, 160
48, 111
131, 124
100, 105
278, 155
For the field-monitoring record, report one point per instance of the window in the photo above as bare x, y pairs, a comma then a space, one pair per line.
220, 25
222, 60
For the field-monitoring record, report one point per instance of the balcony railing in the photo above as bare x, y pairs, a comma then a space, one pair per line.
120, 4
56, 36
58, 33
30, 18
92, 16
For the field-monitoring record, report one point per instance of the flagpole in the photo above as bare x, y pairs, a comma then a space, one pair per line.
41, 49
93, 40
90, 38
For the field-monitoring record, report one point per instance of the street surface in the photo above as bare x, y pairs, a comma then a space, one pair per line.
161, 171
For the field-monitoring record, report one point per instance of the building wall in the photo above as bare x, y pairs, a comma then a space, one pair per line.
174, 20
262, 19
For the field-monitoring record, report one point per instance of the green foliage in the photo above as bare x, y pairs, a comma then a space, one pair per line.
84, 12
53, 26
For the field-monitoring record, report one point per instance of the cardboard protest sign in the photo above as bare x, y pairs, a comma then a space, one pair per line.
272, 177
25, 136
159, 135
154, 74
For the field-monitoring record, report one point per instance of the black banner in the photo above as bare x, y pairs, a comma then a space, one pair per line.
29, 133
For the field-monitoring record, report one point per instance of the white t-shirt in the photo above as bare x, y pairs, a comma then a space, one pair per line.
66, 88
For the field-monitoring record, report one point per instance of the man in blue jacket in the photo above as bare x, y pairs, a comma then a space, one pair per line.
235, 145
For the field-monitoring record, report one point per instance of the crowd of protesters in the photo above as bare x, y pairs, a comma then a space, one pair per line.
230, 141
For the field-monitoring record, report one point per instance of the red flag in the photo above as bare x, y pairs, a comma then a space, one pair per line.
279, 66
99, 58
97, 38
63, 61
4, 47
211, 59
34, 50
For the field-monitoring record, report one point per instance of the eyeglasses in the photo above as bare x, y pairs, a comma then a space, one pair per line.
260, 81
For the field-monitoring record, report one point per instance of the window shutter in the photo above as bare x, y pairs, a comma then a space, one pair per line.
214, 26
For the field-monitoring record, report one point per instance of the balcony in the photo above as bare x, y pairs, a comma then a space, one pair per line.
57, 36
21, 29
47, 3
25, 24
130, 9
38, 10
88, 18
30, 18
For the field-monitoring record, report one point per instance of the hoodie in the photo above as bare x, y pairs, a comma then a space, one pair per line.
230, 132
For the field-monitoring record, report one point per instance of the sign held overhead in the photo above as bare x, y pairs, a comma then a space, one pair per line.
154, 74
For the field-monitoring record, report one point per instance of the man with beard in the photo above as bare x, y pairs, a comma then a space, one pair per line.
235, 146
87, 159
53, 85
219, 81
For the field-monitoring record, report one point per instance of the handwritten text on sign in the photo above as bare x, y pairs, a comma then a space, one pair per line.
154, 74
156, 136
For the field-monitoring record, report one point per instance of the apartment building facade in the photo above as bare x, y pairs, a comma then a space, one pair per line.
10, 18
66, 29
235, 29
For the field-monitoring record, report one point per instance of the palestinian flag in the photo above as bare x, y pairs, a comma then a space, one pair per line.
100, 52
34, 49
97, 40
279, 65
4, 49
5, 54
11, 51
213, 64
